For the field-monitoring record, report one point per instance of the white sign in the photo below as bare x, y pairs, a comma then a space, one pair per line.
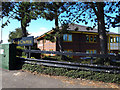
1, 51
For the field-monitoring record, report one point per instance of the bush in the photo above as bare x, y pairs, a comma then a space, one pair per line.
33, 55
97, 76
19, 53
36, 55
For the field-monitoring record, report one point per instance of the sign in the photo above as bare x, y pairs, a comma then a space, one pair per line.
24, 41
1, 51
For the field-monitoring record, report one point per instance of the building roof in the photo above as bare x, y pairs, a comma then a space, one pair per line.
80, 28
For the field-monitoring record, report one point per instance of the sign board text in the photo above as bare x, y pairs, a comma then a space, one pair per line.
24, 41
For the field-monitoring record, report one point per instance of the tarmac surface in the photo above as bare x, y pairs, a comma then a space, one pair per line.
23, 79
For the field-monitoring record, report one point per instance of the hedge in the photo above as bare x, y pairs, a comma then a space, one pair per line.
96, 76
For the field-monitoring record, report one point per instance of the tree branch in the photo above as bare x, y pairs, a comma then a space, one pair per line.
93, 7
109, 16
79, 14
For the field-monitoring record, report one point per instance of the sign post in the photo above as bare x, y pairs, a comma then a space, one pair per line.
29, 52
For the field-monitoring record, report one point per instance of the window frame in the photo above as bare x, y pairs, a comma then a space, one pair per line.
115, 39
68, 40
91, 50
118, 39
69, 50
89, 38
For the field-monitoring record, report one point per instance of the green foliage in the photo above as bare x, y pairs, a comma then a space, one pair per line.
92, 13
96, 76
53, 10
87, 12
19, 53
23, 54
20, 47
15, 34
98, 61
7, 8
21, 11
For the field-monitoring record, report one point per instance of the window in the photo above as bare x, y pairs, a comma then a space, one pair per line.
87, 38
69, 50
114, 39
87, 51
111, 39
95, 51
95, 39
91, 51
91, 38
67, 37
119, 40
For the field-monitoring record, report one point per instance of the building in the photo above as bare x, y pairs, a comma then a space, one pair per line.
82, 40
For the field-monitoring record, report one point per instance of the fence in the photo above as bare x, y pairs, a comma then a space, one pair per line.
71, 65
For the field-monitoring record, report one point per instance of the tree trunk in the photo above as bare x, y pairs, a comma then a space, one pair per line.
101, 28
23, 29
59, 44
59, 36
56, 22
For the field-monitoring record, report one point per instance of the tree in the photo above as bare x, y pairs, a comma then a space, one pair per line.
52, 11
21, 11
99, 13
15, 34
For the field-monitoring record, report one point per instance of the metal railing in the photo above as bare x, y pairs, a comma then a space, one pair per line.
73, 53
72, 65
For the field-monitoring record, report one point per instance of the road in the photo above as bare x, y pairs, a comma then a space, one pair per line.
23, 79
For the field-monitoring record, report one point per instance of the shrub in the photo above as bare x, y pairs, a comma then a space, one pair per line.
96, 76
19, 53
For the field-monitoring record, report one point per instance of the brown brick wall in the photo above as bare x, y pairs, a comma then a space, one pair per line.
48, 45
40, 44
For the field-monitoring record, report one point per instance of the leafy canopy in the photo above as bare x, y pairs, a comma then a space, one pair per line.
15, 34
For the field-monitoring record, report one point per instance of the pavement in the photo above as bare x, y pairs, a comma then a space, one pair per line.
23, 79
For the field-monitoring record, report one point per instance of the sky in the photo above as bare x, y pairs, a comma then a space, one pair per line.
35, 28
